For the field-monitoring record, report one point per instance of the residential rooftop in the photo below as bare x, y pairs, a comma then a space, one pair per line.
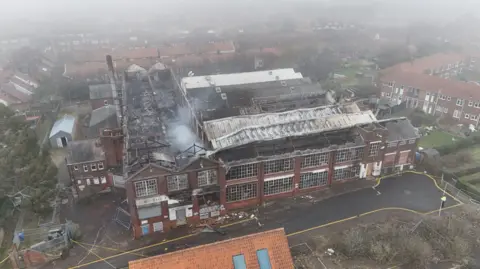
421, 65
270, 247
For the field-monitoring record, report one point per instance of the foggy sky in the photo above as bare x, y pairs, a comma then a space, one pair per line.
78, 11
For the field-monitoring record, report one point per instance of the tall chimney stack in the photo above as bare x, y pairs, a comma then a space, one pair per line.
115, 89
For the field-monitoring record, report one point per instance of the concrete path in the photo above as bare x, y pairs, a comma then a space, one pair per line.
409, 192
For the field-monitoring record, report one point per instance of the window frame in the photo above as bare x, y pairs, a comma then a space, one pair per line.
207, 177
93, 167
314, 160
278, 166
100, 166
278, 186
374, 149
238, 191
151, 182
249, 170
85, 168
180, 181
313, 179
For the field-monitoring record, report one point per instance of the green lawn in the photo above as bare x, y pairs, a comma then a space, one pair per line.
472, 179
475, 162
436, 139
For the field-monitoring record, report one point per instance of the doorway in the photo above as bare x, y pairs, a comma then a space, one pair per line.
181, 216
64, 141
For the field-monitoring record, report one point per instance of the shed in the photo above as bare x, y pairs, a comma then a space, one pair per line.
62, 132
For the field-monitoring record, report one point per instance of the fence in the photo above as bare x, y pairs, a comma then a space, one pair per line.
457, 193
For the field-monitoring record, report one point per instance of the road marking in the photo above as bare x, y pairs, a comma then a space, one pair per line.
288, 235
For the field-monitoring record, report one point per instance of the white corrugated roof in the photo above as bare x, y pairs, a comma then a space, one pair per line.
241, 130
240, 78
65, 124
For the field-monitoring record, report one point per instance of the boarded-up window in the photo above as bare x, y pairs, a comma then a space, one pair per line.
403, 159
389, 159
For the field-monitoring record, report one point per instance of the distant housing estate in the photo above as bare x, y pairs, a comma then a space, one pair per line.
430, 84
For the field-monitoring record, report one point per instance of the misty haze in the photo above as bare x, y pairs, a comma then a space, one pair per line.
270, 134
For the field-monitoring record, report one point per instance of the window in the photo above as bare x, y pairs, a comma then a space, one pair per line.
427, 96
88, 181
315, 160
411, 141
470, 103
445, 110
96, 180
93, 167
345, 173
242, 171
241, 192
177, 182
402, 143
387, 94
100, 166
442, 97
85, 168
439, 108
341, 155
278, 186
146, 187
456, 114
392, 144
449, 98
103, 180
75, 168
467, 116
476, 104
314, 179
207, 177
239, 262
79, 182
473, 117
263, 259
460, 102
277, 166
105, 102
374, 148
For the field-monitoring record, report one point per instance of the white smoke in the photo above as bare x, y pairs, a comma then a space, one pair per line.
179, 132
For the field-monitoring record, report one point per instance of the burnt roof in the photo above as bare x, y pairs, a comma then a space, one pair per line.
399, 129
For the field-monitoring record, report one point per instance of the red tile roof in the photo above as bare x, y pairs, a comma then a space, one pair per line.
98, 55
434, 84
420, 65
175, 50
219, 255
412, 74
89, 69
221, 46
13, 95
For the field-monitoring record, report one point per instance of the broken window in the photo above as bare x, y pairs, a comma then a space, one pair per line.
85, 168
100, 166
241, 192
315, 160
242, 171
177, 182
146, 187
278, 185
374, 148
309, 180
93, 167
345, 173
277, 166
207, 177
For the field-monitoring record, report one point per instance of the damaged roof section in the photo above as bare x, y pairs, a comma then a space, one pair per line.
84, 151
241, 130
399, 129
189, 83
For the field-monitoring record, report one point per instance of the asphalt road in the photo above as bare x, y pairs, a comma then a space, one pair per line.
410, 191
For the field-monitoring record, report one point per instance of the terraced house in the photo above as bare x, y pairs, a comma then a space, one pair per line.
430, 84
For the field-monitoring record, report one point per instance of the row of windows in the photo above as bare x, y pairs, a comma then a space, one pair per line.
349, 154
247, 191
91, 167
457, 114
175, 183
94, 181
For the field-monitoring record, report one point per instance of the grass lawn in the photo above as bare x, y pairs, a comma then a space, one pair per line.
436, 139
475, 162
